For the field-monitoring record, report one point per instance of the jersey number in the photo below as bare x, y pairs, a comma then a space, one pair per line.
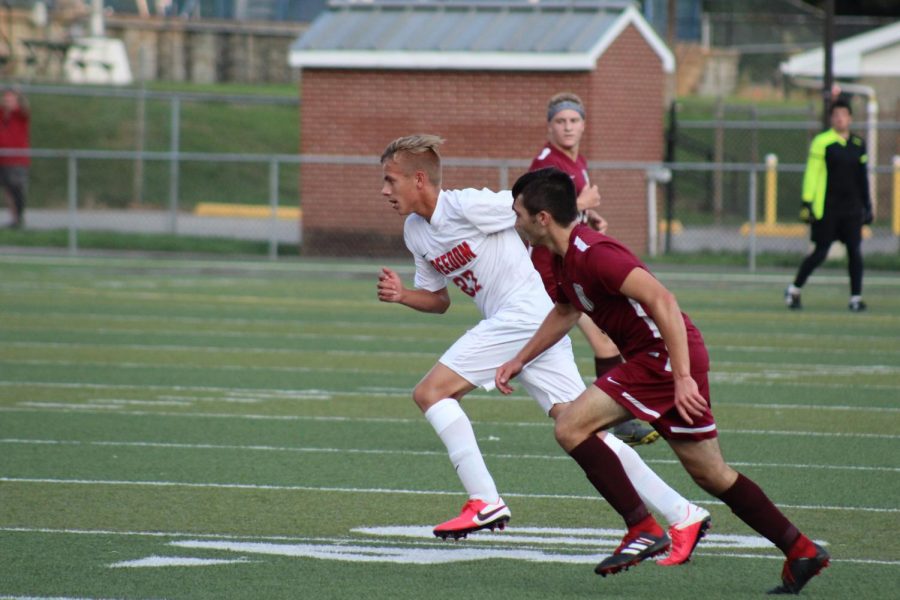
467, 282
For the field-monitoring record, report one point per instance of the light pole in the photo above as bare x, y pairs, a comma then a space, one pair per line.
828, 75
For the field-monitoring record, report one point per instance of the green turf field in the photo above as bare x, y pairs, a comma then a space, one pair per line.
180, 429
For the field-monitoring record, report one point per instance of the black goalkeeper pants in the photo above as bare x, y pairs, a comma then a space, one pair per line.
817, 257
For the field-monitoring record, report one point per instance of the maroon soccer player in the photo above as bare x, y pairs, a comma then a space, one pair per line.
566, 117
14, 135
663, 381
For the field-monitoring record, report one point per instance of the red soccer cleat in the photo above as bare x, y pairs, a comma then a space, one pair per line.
475, 515
685, 536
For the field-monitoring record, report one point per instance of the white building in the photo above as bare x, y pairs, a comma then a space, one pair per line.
871, 59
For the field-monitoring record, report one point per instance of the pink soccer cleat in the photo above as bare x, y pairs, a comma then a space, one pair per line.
475, 515
685, 536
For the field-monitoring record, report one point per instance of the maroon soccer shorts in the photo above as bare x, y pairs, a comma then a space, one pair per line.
646, 390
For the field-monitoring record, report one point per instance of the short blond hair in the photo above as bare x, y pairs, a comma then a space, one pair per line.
420, 152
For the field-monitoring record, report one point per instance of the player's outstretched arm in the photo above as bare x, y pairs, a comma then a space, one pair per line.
391, 289
557, 323
665, 312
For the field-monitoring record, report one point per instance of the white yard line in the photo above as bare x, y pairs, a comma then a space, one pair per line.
765, 369
383, 392
452, 327
533, 538
218, 320
66, 408
392, 354
389, 491
55, 598
241, 351
328, 267
63, 407
378, 452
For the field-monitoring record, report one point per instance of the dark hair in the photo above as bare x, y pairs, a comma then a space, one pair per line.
840, 103
549, 190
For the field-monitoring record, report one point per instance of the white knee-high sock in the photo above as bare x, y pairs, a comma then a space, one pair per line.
455, 430
655, 492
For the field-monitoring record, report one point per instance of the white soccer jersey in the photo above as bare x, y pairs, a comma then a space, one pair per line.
471, 242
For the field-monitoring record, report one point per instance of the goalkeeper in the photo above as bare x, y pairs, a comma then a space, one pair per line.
836, 203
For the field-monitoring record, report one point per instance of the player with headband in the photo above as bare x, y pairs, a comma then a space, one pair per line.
565, 128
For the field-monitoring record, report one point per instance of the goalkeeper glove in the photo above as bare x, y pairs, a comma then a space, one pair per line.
869, 217
806, 214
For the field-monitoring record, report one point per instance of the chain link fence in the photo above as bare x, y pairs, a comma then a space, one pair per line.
739, 165
175, 164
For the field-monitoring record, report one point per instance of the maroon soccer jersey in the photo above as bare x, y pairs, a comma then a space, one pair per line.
14, 134
590, 277
551, 156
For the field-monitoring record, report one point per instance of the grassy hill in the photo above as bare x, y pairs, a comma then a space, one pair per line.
112, 123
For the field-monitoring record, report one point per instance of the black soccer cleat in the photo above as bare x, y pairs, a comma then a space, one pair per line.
635, 433
792, 301
797, 573
641, 547
857, 306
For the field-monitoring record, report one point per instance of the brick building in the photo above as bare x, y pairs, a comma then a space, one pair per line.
478, 73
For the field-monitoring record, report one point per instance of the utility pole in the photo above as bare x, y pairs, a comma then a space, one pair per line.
98, 26
671, 23
828, 76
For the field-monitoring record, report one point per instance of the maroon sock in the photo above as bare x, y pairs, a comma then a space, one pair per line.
753, 507
602, 365
604, 470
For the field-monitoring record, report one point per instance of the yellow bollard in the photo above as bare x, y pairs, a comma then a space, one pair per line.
895, 221
770, 225
771, 189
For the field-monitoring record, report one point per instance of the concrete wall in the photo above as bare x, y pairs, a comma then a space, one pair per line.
207, 51
200, 51
481, 114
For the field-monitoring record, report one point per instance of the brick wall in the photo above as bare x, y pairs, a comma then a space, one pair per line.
482, 115
628, 101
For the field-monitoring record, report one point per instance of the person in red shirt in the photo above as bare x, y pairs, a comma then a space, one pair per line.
664, 379
14, 134
565, 128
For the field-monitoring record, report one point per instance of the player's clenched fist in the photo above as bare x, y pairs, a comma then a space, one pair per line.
390, 287
588, 198
595, 221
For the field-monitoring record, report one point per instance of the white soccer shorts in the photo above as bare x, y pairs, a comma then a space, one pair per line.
551, 378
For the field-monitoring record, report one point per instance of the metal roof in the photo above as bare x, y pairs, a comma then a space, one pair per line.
469, 34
